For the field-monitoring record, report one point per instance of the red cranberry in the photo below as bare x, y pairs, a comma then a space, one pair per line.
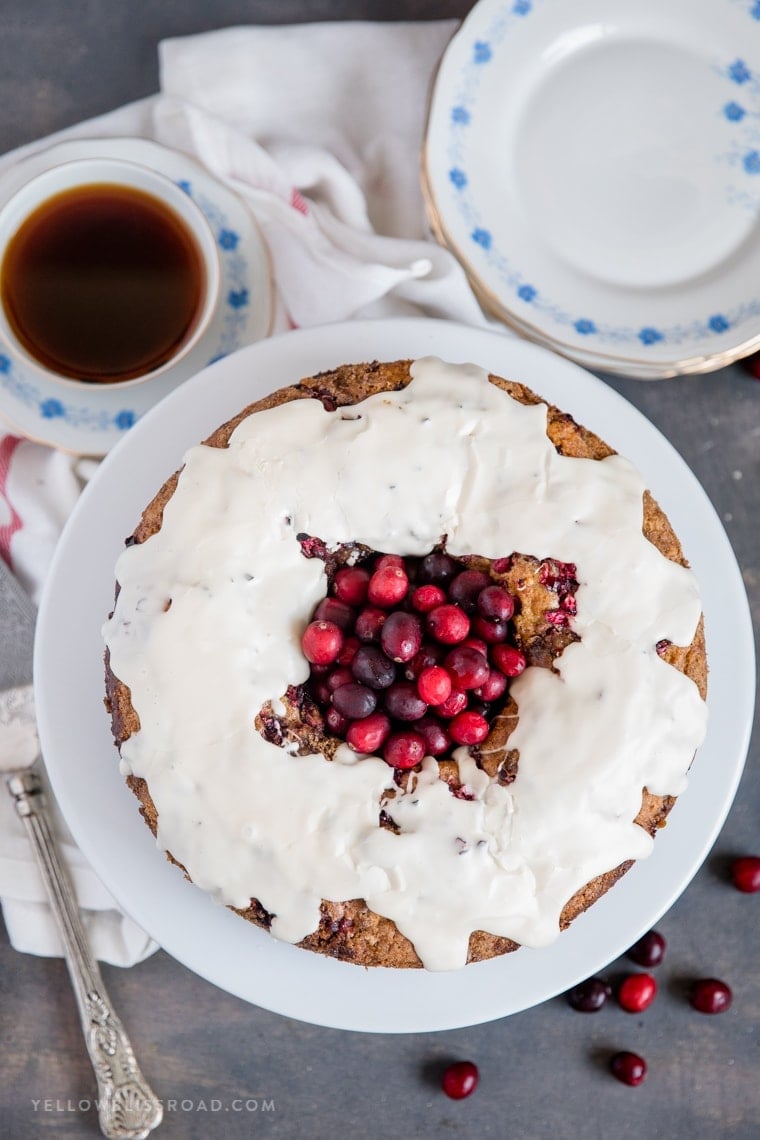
493, 687
438, 567
637, 992
490, 631
476, 643
710, 995
437, 739
745, 871
351, 584
628, 1068
321, 691
454, 704
369, 623
369, 734
388, 586
340, 676
322, 641
401, 636
403, 701
466, 588
460, 1080
371, 667
434, 685
469, 727
448, 624
649, 951
426, 598
589, 996
509, 659
336, 722
389, 560
429, 654
349, 650
354, 701
495, 604
404, 749
468, 668
332, 609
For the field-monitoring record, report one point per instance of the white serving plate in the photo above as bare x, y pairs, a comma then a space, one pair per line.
102, 814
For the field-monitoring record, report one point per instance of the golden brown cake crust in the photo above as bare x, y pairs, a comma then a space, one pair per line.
349, 930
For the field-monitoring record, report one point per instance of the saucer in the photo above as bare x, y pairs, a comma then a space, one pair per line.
90, 420
595, 166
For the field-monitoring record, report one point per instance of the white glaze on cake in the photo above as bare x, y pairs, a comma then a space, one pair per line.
451, 454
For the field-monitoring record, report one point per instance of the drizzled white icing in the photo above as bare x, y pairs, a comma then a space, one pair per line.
451, 454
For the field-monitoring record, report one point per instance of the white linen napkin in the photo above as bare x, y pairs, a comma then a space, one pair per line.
318, 128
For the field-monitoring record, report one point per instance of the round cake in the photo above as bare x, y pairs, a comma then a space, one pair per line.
405, 665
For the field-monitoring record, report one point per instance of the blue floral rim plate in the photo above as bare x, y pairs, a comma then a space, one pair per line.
89, 421
595, 166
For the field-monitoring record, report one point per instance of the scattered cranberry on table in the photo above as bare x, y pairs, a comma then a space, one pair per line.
745, 874
460, 1080
649, 951
637, 992
710, 995
589, 996
628, 1068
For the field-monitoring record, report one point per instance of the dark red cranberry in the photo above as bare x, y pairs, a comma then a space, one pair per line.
649, 951
490, 631
468, 727
460, 1080
369, 623
710, 995
745, 874
438, 568
388, 586
426, 598
493, 687
322, 641
340, 676
448, 624
476, 643
389, 560
336, 722
636, 992
589, 996
401, 636
495, 604
453, 705
404, 749
369, 734
628, 1068
466, 588
434, 685
509, 659
354, 701
336, 611
321, 691
403, 701
348, 652
468, 668
437, 739
351, 584
371, 667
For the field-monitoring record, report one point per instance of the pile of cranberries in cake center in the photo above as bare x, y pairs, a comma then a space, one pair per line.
411, 657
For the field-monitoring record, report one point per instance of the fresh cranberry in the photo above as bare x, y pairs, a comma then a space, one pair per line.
371, 667
628, 1068
434, 685
340, 676
455, 703
438, 568
336, 611
476, 643
389, 560
369, 734
401, 636
637, 992
745, 872
369, 623
321, 691
495, 604
460, 1080
404, 749
466, 587
649, 951
322, 641
509, 659
490, 631
710, 995
437, 739
403, 701
336, 722
429, 654
351, 584
493, 687
448, 624
589, 996
388, 586
354, 701
349, 651
469, 727
468, 668
426, 598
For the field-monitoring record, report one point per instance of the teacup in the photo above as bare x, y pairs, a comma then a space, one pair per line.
109, 273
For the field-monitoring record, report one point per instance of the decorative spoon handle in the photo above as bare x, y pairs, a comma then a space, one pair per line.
128, 1109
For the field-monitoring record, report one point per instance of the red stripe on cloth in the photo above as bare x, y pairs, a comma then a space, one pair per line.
8, 445
298, 202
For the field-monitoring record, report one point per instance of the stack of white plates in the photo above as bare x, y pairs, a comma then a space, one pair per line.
595, 166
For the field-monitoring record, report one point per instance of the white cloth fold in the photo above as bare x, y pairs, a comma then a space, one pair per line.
318, 128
